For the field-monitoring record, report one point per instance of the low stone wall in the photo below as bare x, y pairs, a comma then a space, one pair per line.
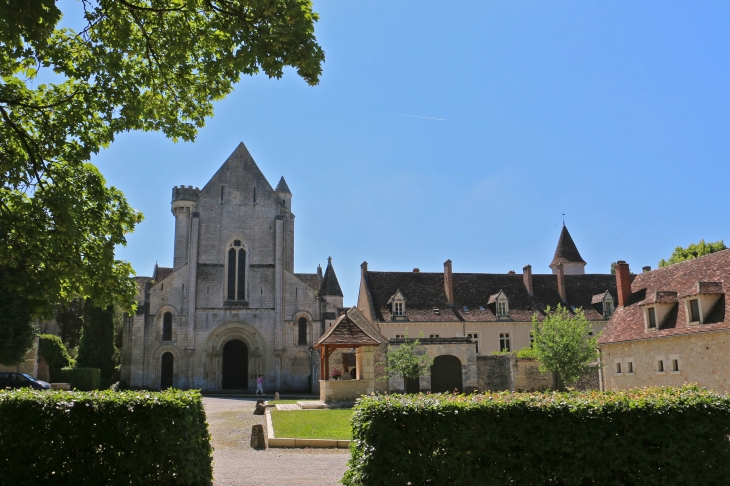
494, 373
528, 376
344, 390
506, 372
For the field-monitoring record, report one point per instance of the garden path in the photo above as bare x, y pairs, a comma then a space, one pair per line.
235, 463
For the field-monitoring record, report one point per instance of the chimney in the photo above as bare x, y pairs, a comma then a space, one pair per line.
511, 272
448, 283
561, 283
623, 283
527, 278
363, 268
646, 269
416, 270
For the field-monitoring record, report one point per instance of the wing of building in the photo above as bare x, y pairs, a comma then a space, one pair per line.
230, 307
671, 327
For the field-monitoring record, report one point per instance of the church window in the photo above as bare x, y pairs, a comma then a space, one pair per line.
167, 326
236, 272
302, 334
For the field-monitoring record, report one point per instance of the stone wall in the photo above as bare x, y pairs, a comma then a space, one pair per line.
344, 390
506, 372
528, 376
494, 373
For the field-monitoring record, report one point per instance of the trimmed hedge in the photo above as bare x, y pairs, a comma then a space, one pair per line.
84, 379
53, 351
56, 437
653, 436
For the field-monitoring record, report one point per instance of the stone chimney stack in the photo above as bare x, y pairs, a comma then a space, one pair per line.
363, 268
527, 278
448, 282
623, 283
646, 269
561, 282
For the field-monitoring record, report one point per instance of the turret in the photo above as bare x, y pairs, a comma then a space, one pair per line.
183, 204
329, 289
283, 193
567, 255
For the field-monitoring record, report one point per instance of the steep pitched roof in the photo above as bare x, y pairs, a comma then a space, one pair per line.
330, 285
282, 186
627, 324
351, 329
566, 252
160, 273
238, 169
309, 278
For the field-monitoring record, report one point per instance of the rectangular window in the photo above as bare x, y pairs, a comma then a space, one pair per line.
398, 308
675, 365
630, 367
609, 308
400, 336
475, 337
241, 294
501, 308
694, 310
618, 367
434, 335
302, 334
660, 365
231, 274
504, 342
652, 318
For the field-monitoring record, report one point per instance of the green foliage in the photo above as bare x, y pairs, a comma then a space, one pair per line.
83, 379
51, 348
527, 353
653, 436
153, 65
692, 251
16, 327
70, 318
562, 344
501, 353
407, 360
107, 437
96, 347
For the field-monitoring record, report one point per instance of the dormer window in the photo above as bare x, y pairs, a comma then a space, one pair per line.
652, 318
398, 309
694, 310
603, 304
608, 308
657, 307
700, 299
502, 308
398, 306
500, 303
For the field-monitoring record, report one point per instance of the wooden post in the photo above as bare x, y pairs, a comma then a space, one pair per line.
327, 353
322, 357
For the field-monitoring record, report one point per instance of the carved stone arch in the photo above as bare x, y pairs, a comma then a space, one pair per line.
157, 365
309, 340
218, 338
159, 317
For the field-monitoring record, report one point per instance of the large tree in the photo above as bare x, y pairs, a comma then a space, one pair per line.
693, 251
135, 65
96, 346
562, 344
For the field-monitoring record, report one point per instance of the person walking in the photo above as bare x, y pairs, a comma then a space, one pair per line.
260, 385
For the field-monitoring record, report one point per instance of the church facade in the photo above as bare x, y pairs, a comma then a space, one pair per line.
231, 307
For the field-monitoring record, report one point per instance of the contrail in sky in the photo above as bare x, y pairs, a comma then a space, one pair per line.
424, 117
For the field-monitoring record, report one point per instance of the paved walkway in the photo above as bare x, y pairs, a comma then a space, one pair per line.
235, 463
288, 406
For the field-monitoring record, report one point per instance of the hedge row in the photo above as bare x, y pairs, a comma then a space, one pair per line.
84, 379
649, 437
56, 437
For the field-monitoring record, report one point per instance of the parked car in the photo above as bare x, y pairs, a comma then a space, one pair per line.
21, 380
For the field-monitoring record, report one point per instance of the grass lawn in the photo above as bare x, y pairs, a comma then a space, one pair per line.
313, 424
282, 402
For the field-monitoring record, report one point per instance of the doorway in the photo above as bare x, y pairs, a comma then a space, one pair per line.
167, 367
446, 374
235, 365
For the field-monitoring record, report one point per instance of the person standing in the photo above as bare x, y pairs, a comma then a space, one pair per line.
260, 385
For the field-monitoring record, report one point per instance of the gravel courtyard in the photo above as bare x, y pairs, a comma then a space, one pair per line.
234, 462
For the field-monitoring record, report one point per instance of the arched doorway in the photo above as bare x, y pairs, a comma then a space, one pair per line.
235, 365
167, 367
446, 374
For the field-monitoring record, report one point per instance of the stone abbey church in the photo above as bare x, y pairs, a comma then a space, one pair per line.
231, 307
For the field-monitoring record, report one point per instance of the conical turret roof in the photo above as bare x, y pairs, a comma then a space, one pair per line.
282, 186
566, 252
330, 285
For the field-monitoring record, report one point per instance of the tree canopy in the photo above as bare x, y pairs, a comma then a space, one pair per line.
562, 344
406, 361
692, 251
154, 65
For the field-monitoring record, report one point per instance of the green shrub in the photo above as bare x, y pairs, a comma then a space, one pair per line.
527, 353
53, 351
84, 379
654, 436
55, 437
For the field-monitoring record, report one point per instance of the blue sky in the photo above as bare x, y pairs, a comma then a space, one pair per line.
614, 113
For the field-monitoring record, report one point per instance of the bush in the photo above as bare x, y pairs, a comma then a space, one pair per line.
653, 436
53, 351
527, 353
55, 437
84, 379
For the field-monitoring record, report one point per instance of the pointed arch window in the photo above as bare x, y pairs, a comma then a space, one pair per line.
236, 271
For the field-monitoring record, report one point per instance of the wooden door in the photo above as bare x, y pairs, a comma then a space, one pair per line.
446, 374
235, 365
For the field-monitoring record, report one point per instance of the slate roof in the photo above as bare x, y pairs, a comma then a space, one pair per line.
350, 330
627, 324
161, 273
282, 186
330, 285
310, 279
566, 252
703, 288
424, 292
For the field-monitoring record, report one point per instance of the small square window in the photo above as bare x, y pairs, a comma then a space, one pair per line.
400, 336
630, 367
434, 335
618, 367
660, 365
675, 365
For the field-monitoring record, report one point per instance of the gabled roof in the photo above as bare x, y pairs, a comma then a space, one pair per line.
330, 285
702, 288
351, 329
282, 186
566, 252
309, 278
598, 298
660, 297
160, 273
627, 324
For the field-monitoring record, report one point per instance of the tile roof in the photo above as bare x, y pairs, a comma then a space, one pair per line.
330, 285
703, 288
627, 324
424, 291
351, 329
310, 279
660, 297
161, 273
566, 252
598, 298
282, 186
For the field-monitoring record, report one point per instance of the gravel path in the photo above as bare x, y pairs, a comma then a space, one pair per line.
235, 463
